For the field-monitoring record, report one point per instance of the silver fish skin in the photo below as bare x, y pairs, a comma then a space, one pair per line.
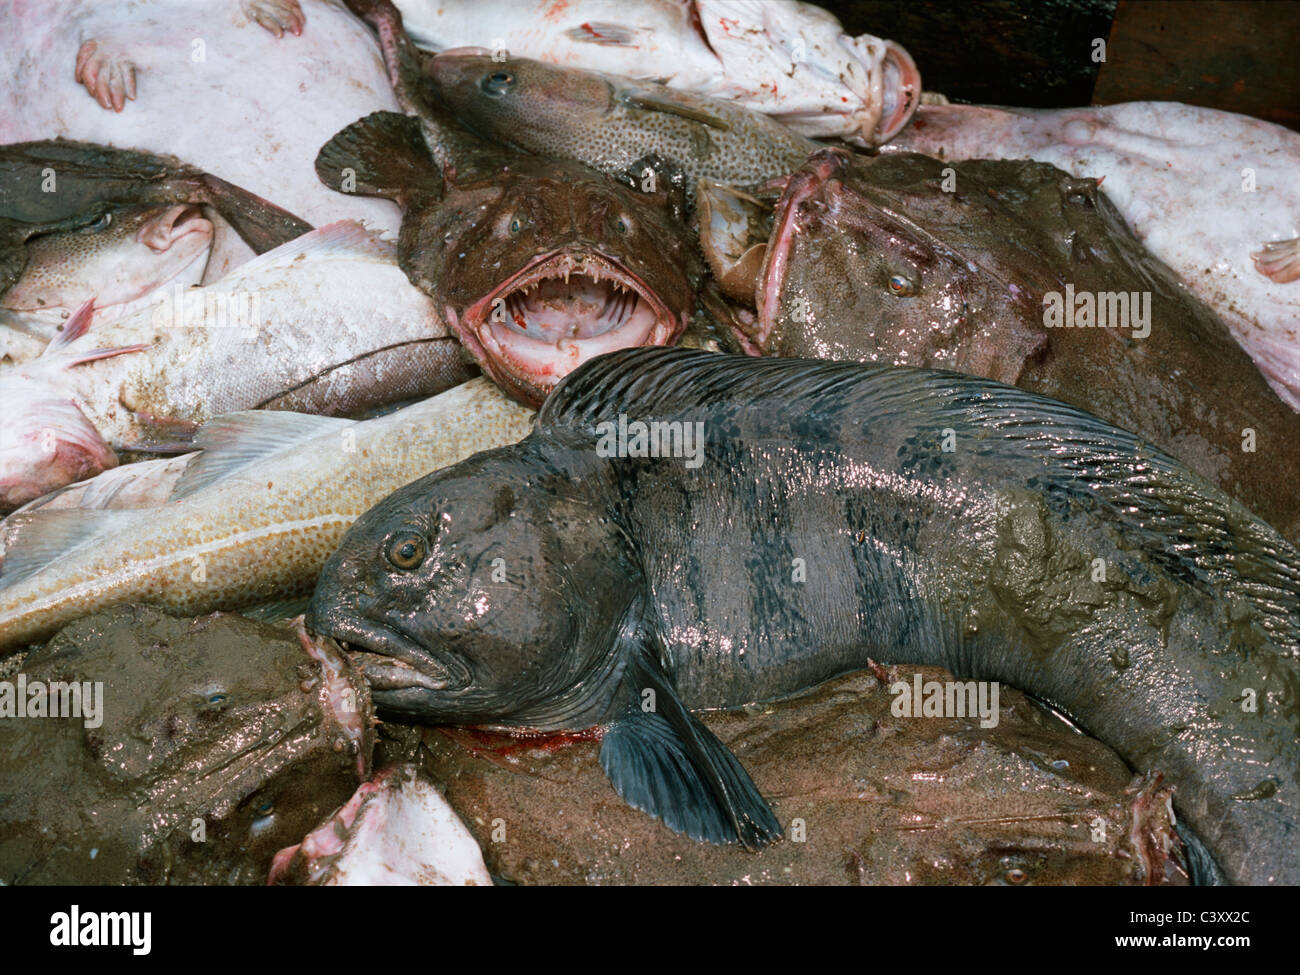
298, 328
252, 519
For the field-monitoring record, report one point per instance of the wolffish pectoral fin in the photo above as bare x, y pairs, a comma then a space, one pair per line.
1279, 260
663, 761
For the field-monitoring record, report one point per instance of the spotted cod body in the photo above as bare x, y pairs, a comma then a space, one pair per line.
249, 520
812, 521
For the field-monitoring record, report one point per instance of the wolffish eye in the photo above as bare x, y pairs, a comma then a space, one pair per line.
406, 550
498, 82
901, 285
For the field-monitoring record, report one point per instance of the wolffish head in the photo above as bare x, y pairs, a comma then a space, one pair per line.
487, 592
548, 265
878, 260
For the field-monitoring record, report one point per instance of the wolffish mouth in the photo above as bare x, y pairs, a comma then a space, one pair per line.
565, 308
391, 659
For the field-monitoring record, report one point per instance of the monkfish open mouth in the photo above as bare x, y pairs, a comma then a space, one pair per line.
559, 311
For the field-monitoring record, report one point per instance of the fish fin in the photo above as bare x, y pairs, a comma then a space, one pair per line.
36, 539
236, 440
1137, 488
383, 154
341, 240
663, 761
280, 609
1279, 260
95, 355
597, 32
663, 102
263, 225
77, 325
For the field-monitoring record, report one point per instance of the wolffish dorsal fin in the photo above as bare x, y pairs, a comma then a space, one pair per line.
383, 154
236, 441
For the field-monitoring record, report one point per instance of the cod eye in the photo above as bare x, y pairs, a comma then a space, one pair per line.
101, 222
498, 82
406, 550
901, 285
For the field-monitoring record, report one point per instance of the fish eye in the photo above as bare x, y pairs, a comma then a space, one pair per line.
101, 222
901, 285
406, 550
514, 225
1016, 876
217, 698
622, 226
498, 82
265, 809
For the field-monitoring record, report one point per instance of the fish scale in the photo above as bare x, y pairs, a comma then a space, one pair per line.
284, 488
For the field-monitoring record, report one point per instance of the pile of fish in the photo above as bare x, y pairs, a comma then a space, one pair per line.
488, 414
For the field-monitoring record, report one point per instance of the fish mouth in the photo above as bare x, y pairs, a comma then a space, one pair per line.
901, 92
560, 310
820, 168
389, 659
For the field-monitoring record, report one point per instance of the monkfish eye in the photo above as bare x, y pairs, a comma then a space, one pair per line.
498, 82
406, 550
901, 285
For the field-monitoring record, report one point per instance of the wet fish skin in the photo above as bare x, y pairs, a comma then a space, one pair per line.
608, 123
115, 262
218, 720
91, 180
1233, 243
981, 560
297, 328
396, 830
251, 521
789, 60
536, 264
974, 266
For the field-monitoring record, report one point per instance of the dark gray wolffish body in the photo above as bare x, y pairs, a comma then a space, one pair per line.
633, 573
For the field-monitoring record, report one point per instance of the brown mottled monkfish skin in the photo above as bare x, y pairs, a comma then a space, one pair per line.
538, 265
908, 260
201, 748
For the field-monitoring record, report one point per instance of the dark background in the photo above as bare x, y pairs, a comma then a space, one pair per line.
1236, 55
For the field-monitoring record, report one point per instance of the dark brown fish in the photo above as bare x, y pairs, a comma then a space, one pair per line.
200, 749
908, 260
538, 265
